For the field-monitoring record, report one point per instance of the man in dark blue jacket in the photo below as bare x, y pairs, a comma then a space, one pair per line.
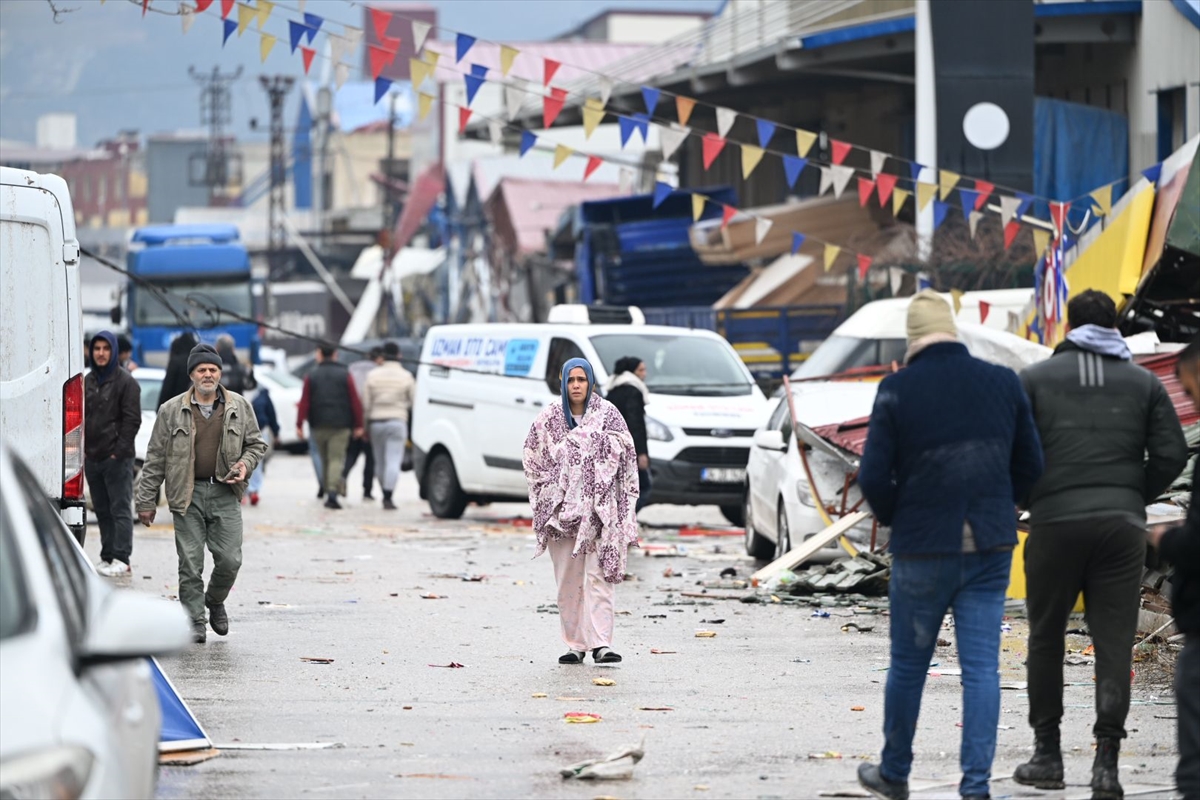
951, 451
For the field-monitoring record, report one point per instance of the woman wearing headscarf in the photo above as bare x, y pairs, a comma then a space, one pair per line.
626, 389
582, 472
176, 380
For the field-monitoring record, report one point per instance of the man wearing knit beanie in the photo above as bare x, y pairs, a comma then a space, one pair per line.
951, 450
203, 354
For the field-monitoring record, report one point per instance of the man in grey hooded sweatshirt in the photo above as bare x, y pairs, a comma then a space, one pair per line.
1112, 444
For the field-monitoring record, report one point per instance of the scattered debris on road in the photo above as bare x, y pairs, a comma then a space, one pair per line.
604, 682
615, 767
316, 659
451, 665
581, 717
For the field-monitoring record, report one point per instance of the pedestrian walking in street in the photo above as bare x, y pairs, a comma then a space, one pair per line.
627, 391
329, 403
1180, 546
1112, 444
361, 445
388, 399
125, 353
204, 446
581, 467
112, 418
268, 426
234, 375
176, 380
951, 450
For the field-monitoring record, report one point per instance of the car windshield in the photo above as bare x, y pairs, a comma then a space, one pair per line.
149, 310
151, 388
840, 353
683, 364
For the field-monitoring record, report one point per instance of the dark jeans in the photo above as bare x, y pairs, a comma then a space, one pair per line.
1187, 701
644, 484
361, 447
1102, 557
111, 484
922, 589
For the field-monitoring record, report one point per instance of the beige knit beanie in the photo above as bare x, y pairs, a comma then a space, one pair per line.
927, 314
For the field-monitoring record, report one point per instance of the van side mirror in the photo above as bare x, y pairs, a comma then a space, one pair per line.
115, 315
770, 440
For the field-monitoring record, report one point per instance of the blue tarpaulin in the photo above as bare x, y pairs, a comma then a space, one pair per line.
180, 729
1077, 148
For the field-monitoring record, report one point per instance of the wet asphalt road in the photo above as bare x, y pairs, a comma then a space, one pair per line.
748, 708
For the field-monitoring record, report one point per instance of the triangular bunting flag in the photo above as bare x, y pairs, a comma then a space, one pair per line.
792, 167
797, 242
381, 84
725, 119
187, 19
984, 308
462, 45
1152, 174
307, 54
966, 198
341, 74
895, 279
295, 33
339, 48
424, 104
312, 24
840, 150
914, 169
1041, 240
226, 7
711, 145
761, 226
766, 130
513, 98
380, 58
956, 296
473, 83
352, 35
264, 46
528, 140
380, 20
1008, 209
886, 182
923, 281
642, 124
1026, 202
1103, 198
697, 207
831, 255
593, 164
561, 154
650, 98
201, 5
671, 137
507, 56
939, 213
973, 221
661, 192
727, 213
947, 180
684, 107
549, 67
265, 7
865, 187
804, 141
392, 45
552, 106
985, 190
230, 27
1058, 215
899, 198
246, 15
495, 132
864, 265
627, 125
145, 6
606, 89
878, 159
1010, 232
593, 115
925, 193
420, 32
841, 179
826, 181
751, 155
419, 71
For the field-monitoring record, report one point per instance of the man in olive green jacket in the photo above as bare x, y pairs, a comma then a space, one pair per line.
205, 444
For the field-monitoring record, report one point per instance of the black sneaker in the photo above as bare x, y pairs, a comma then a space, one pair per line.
332, 502
320, 492
218, 619
368, 496
871, 778
199, 633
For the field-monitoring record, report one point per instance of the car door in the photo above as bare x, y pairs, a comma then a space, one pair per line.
767, 469
505, 411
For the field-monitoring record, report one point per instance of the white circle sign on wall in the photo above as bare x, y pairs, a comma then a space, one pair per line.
986, 126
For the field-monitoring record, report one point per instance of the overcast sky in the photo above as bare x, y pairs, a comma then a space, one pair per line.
117, 71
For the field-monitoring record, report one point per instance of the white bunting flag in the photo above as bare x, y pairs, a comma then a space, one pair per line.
496, 131
188, 18
761, 226
896, 280
1008, 209
339, 48
877, 161
341, 73
826, 181
725, 120
606, 90
513, 98
841, 177
352, 35
420, 32
973, 221
671, 137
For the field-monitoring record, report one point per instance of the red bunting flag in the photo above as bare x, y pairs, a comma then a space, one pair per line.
1010, 233
727, 213
226, 7
886, 182
392, 45
202, 5
380, 58
984, 188
145, 5
712, 145
464, 116
381, 20
549, 67
1058, 214
984, 308
592, 165
307, 54
840, 150
552, 106
864, 266
865, 187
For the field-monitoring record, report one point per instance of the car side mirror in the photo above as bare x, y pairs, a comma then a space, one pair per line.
114, 314
770, 440
125, 625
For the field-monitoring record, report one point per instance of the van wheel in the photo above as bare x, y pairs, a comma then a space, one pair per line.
446, 498
783, 537
735, 514
757, 546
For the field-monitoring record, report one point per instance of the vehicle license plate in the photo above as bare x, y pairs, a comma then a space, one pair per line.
722, 475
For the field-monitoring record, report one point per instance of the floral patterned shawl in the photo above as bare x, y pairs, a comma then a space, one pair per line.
583, 483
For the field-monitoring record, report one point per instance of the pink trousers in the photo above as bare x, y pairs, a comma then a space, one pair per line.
585, 599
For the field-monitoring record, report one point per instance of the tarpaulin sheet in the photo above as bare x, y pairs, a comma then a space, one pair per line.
1184, 233
180, 729
1173, 180
1077, 148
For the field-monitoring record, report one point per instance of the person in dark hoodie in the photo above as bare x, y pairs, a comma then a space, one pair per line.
1181, 547
626, 389
176, 380
1112, 444
112, 417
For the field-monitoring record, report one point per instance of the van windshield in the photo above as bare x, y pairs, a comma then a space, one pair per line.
149, 310
840, 353
687, 365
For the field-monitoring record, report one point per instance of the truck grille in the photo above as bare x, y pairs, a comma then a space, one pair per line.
715, 456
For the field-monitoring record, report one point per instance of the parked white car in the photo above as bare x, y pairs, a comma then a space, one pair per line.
150, 379
285, 389
80, 714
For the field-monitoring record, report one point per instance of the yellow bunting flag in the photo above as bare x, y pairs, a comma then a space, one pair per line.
1041, 240
265, 7
420, 71
561, 154
925, 192
751, 155
246, 15
804, 142
1103, 198
265, 45
593, 114
431, 58
507, 56
947, 180
684, 106
831, 254
956, 296
424, 103
697, 206
899, 197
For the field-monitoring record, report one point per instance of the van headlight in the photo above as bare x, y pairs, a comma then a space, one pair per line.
805, 494
657, 431
50, 772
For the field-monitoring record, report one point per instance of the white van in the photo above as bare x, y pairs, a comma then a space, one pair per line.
479, 388
41, 331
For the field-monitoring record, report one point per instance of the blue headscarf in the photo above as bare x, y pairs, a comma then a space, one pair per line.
591, 377
114, 362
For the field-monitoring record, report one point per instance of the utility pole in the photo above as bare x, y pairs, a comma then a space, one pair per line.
277, 88
215, 113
